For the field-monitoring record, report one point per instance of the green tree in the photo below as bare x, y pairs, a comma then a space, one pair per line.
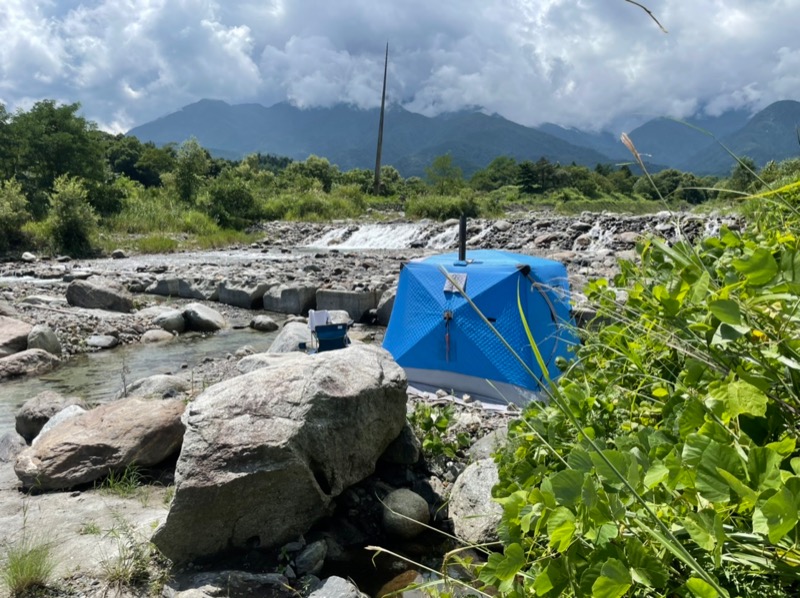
54, 141
500, 172
743, 175
313, 168
230, 202
13, 214
71, 223
444, 176
191, 167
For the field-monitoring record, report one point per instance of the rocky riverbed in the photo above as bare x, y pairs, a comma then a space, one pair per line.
355, 267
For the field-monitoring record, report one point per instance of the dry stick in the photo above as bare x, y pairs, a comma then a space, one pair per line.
649, 12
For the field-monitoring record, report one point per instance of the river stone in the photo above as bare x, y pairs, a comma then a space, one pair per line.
171, 320
355, 303
263, 324
311, 559
242, 295
265, 453
217, 584
28, 257
31, 361
203, 319
42, 336
159, 386
250, 363
385, 306
290, 337
107, 438
13, 335
291, 299
102, 341
337, 587
488, 445
66, 413
475, 515
99, 294
178, 287
403, 512
156, 336
11, 445
405, 449
36, 412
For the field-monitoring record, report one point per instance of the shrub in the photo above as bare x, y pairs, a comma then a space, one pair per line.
441, 207
71, 223
156, 244
13, 214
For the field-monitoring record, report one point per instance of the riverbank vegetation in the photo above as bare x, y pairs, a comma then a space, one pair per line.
66, 187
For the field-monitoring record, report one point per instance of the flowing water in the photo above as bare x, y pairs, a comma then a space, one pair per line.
98, 377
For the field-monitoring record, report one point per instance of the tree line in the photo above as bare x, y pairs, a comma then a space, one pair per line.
63, 182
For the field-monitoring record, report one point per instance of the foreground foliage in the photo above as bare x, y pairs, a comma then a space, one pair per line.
28, 566
666, 463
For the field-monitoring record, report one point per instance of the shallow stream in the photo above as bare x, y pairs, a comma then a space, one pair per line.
98, 377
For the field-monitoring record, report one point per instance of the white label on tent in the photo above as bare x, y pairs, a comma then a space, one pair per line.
461, 280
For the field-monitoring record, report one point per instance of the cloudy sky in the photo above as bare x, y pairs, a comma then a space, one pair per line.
584, 63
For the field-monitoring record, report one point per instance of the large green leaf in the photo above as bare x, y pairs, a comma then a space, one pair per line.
567, 486
708, 456
726, 311
614, 580
763, 465
646, 568
701, 588
779, 512
758, 268
561, 528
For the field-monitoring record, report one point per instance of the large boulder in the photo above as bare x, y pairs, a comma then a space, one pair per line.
246, 295
475, 515
179, 287
385, 306
99, 294
171, 320
291, 336
42, 336
37, 411
13, 335
158, 386
291, 299
203, 319
355, 303
107, 438
265, 453
31, 361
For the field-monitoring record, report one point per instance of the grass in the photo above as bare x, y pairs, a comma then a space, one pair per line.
137, 561
125, 483
28, 566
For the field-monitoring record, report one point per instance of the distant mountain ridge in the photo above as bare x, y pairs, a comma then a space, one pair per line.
347, 136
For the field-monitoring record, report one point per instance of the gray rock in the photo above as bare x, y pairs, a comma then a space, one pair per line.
222, 584
290, 337
118, 254
13, 335
356, 303
257, 361
405, 449
107, 438
42, 336
178, 287
248, 296
485, 447
291, 299
37, 411
337, 587
11, 445
156, 336
263, 324
385, 306
99, 294
502, 225
475, 515
171, 320
203, 319
160, 386
66, 413
311, 559
403, 512
31, 361
102, 341
28, 257
265, 453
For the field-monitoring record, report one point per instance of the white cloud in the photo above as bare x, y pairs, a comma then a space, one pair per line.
584, 63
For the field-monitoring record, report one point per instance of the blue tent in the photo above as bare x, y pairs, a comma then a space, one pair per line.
442, 342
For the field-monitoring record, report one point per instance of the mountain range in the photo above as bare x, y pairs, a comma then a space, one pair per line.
347, 136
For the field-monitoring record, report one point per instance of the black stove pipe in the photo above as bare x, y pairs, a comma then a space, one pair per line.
462, 238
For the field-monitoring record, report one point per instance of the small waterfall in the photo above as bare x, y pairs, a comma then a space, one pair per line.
601, 238
445, 239
371, 236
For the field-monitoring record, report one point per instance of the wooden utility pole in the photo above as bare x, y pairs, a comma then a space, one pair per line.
376, 187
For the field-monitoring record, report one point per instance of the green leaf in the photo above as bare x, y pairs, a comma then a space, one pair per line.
619, 460
657, 473
780, 513
513, 560
763, 466
567, 486
708, 456
744, 398
553, 579
700, 528
646, 568
701, 588
726, 311
580, 460
758, 268
747, 495
614, 580
699, 290
561, 528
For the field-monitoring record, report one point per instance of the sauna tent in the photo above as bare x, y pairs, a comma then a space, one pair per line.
442, 342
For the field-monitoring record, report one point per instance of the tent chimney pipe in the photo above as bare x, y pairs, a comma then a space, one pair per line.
462, 238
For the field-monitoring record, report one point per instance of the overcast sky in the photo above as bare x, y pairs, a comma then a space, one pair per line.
584, 63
